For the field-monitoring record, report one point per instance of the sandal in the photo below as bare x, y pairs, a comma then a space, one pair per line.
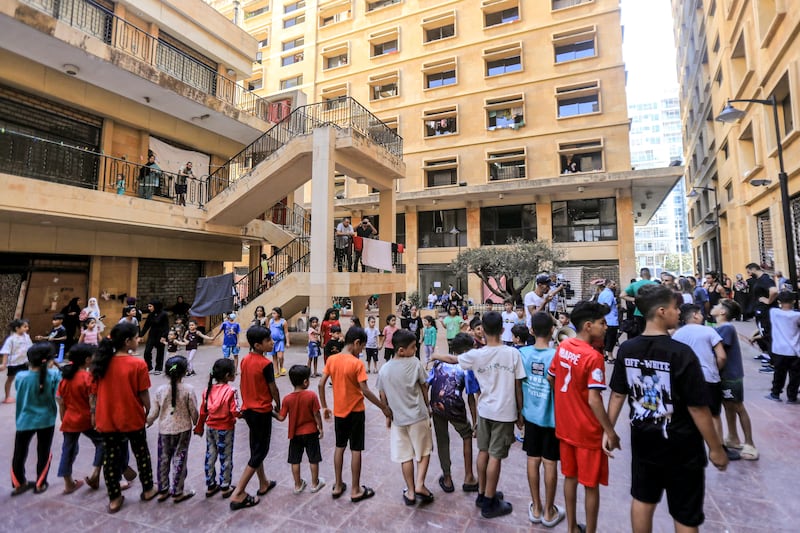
145, 498
318, 487
39, 489
469, 487
270, 486
115, 509
298, 490
248, 501
75, 486
162, 496
227, 491
735, 445
366, 494
424, 498
25, 487
337, 495
749, 453
444, 487
408, 501
212, 490
92, 482
182, 497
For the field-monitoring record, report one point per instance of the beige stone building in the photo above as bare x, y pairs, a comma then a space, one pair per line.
493, 100
730, 49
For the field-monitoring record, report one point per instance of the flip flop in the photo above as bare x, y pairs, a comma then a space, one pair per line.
270, 486
303, 485
162, 496
25, 487
469, 487
337, 495
178, 498
212, 490
93, 483
143, 496
78, 484
113, 510
365, 495
227, 491
39, 489
444, 487
424, 498
560, 514
248, 501
408, 501
320, 484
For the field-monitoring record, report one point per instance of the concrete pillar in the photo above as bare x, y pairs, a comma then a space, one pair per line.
360, 308
322, 191
474, 286
106, 180
387, 210
95, 268
625, 242
411, 251
544, 219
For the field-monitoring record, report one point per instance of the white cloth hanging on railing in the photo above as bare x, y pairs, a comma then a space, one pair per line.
377, 254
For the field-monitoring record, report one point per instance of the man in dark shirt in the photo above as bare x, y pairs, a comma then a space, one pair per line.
365, 230
763, 294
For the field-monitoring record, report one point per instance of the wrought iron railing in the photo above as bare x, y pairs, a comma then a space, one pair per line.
294, 257
128, 38
342, 113
294, 219
42, 159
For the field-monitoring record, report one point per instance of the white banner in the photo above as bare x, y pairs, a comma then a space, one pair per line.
377, 254
172, 159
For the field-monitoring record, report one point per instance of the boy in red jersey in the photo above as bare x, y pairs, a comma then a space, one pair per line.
578, 377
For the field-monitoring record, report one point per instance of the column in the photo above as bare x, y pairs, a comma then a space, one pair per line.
359, 309
474, 284
322, 190
625, 238
107, 177
387, 210
544, 219
411, 248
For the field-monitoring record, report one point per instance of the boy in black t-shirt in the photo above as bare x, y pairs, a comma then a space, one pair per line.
670, 418
334, 345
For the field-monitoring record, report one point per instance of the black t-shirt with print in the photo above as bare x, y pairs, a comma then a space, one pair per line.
661, 378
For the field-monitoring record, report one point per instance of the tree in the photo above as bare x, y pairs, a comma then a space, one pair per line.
506, 270
673, 263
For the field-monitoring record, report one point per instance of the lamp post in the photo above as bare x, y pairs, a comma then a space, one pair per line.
456, 233
693, 194
729, 115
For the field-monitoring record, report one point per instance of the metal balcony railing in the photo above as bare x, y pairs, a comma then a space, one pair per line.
294, 257
294, 219
128, 38
343, 113
42, 159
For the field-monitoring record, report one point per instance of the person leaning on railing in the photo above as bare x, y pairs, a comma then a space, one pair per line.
149, 176
180, 183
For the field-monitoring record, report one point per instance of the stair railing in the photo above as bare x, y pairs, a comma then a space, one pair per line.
294, 257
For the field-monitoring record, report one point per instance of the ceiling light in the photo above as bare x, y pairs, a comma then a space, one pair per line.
72, 70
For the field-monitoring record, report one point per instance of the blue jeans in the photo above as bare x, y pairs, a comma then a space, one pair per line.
70, 448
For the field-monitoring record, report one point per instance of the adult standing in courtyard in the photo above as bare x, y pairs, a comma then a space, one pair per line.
157, 324
763, 294
72, 313
630, 296
608, 297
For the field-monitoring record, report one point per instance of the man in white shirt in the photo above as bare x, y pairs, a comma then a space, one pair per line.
538, 299
342, 244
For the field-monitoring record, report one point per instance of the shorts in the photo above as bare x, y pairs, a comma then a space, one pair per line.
495, 437
410, 442
227, 351
540, 442
732, 390
372, 354
313, 350
350, 429
279, 346
462, 427
588, 465
685, 488
388, 353
16, 369
260, 425
714, 398
308, 442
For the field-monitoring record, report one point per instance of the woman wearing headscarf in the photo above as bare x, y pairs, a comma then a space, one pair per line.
157, 324
71, 312
92, 310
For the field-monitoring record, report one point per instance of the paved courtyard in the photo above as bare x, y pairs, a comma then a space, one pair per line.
750, 496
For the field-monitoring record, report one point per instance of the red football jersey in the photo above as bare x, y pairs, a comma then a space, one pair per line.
577, 367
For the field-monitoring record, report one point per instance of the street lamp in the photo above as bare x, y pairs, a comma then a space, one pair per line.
730, 114
693, 194
456, 233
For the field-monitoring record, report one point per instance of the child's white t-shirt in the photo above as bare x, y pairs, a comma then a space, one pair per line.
496, 368
509, 321
372, 337
702, 340
785, 332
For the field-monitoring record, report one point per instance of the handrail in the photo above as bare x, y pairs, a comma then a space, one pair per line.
44, 159
342, 113
294, 257
122, 35
295, 219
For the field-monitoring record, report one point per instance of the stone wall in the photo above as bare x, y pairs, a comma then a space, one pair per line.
165, 280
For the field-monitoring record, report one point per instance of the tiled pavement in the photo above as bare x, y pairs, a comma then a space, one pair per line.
758, 496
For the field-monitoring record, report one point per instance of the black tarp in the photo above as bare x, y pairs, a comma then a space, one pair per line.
213, 296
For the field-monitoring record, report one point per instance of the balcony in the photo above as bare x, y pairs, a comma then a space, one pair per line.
71, 35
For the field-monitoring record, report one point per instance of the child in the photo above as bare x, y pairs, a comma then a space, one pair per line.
732, 375
785, 349
176, 410
174, 343
386, 337
76, 416
521, 335
259, 392
564, 321
428, 338
577, 374
230, 339
15, 353
129, 316
349, 379
452, 324
663, 382
372, 344
221, 409
279, 331
57, 336
260, 317
192, 339
520, 321
36, 415
89, 334
334, 345
331, 320
403, 387
509, 320
179, 327
540, 443
476, 330
313, 344
305, 428
447, 383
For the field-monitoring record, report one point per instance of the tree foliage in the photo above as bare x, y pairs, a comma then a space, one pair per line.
519, 262
673, 263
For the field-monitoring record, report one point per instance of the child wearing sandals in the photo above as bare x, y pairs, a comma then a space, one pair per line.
14, 353
305, 428
36, 416
176, 410
220, 406
76, 417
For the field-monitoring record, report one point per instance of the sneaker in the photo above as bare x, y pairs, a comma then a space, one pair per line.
764, 357
793, 400
481, 500
495, 507
772, 397
157, 372
766, 370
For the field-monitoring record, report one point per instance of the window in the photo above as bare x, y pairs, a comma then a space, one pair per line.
740, 71
503, 60
336, 61
335, 96
766, 250
384, 85
499, 12
263, 39
291, 82
561, 4
377, 4
506, 165
294, 43
291, 59
586, 156
503, 223
578, 99
384, 48
333, 12
256, 12
384, 42
729, 192
335, 56
575, 44
440, 73
294, 6
588, 220
434, 228
783, 97
441, 172
441, 121
505, 112
254, 85
438, 27
294, 21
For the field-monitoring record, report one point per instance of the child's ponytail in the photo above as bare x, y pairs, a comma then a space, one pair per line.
77, 357
38, 356
175, 368
120, 334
